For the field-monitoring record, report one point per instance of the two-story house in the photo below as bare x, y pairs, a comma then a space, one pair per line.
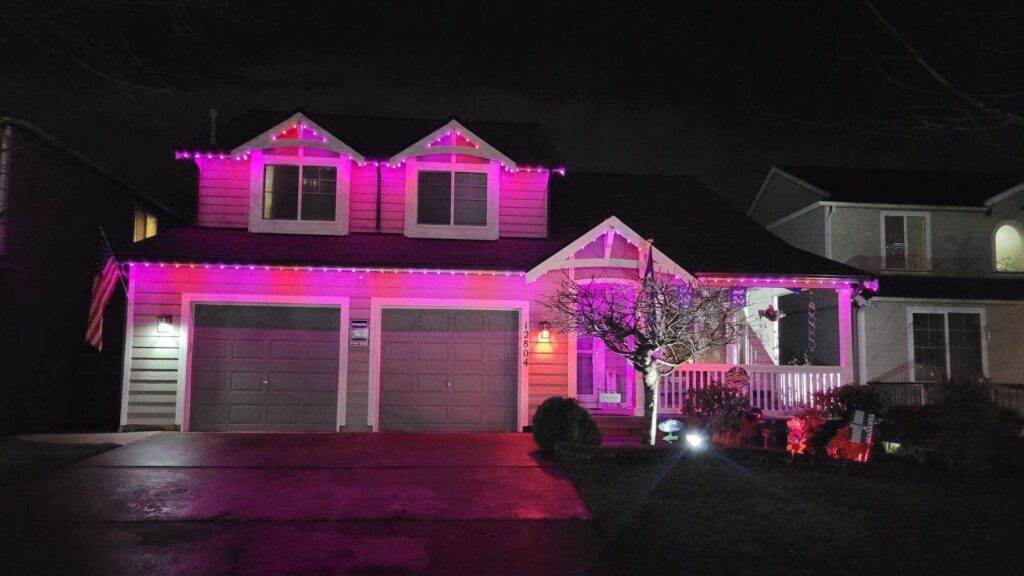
351, 273
949, 249
53, 200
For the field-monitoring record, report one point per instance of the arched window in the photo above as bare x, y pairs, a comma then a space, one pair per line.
1009, 248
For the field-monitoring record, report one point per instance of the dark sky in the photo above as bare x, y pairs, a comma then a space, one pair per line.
720, 89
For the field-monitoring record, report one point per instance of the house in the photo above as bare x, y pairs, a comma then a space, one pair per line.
355, 274
949, 250
53, 200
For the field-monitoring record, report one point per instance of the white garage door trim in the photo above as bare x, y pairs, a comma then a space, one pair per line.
378, 304
184, 382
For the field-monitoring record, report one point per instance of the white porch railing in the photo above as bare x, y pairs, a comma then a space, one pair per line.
776, 390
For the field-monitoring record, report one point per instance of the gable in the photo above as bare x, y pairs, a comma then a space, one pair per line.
782, 195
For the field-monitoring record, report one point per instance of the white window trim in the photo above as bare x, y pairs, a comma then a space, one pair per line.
522, 351
414, 229
1020, 230
927, 236
185, 345
945, 310
339, 226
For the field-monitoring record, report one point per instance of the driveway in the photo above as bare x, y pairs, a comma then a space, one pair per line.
307, 503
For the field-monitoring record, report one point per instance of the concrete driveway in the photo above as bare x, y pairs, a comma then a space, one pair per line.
307, 504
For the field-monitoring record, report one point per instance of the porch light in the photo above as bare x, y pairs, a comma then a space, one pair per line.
545, 331
164, 324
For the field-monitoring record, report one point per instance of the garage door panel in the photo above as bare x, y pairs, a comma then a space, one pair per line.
475, 350
249, 349
295, 349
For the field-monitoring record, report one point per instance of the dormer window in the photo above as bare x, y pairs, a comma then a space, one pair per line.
452, 198
299, 190
285, 199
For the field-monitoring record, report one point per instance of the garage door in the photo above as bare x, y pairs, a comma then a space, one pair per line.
449, 370
264, 368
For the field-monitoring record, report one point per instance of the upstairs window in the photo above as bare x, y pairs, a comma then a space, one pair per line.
1009, 249
145, 225
905, 241
299, 192
452, 198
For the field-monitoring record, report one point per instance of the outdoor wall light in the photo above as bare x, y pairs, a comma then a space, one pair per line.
164, 324
545, 331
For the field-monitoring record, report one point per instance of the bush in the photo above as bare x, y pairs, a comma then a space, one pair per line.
842, 402
561, 419
717, 406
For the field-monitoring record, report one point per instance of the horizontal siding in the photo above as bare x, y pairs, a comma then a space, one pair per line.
363, 200
223, 193
524, 205
154, 374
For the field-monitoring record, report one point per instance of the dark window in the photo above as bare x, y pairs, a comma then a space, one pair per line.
319, 192
282, 195
446, 198
433, 204
929, 332
965, 346
906, 242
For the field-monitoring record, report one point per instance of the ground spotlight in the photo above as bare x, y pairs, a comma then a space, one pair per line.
694, 440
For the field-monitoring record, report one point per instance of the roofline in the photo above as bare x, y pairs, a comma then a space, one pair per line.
797, 214
909, 299
1004, 195
483, 149
266, 138
88, 162
799, 181
904, 206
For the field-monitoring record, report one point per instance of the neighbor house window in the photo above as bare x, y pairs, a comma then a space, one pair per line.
298, 192
452, 198
1009, 249
905, 241
947, 346
145, 225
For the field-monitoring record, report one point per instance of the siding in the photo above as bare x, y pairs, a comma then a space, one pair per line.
806, 232
223, 193
363, 203
524, 205
781, 197
886, 344
154, 374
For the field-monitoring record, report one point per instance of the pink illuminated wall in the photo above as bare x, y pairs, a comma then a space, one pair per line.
223, 199
524, 204
363, 203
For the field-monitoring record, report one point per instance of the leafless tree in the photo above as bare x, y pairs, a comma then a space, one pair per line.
653, 321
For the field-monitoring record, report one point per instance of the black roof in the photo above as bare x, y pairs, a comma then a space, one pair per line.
930, 287
230, 246
696, 228
381, 138
911, 187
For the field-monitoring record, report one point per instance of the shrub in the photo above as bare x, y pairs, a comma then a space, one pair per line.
561, 419
717, 406
969, 427
842, 402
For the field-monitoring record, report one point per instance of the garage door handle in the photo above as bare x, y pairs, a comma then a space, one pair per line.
265, 382
449, 385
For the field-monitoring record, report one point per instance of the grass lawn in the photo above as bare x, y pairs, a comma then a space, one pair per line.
22, 461
727, 512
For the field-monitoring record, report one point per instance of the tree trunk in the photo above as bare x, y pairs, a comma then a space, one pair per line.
652, 379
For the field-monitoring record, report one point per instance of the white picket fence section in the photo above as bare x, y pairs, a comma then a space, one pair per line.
776, 390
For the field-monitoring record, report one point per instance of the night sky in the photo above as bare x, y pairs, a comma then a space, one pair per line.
718, 89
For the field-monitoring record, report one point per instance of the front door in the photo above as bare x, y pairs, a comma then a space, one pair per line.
604, 380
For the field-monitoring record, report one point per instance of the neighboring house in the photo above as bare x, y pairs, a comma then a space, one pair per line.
52, 203
949, 249
354, 274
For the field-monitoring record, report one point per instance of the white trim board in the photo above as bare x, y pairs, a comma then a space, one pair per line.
266, 139
378, 304
483, 150
184, 384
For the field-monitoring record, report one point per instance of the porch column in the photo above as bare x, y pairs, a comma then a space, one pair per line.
846, 355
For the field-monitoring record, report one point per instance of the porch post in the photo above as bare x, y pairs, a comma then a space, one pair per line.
846, 355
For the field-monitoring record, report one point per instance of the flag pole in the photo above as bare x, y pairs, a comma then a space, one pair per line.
117, 265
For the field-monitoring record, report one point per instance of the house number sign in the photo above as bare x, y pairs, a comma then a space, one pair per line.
526, 344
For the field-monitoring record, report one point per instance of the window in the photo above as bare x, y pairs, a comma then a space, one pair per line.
145, 225
452, 198
285, 199
947, 346
1009, 249
585, 366
905, 241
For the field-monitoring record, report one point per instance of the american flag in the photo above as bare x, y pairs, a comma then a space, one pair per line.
103, 284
